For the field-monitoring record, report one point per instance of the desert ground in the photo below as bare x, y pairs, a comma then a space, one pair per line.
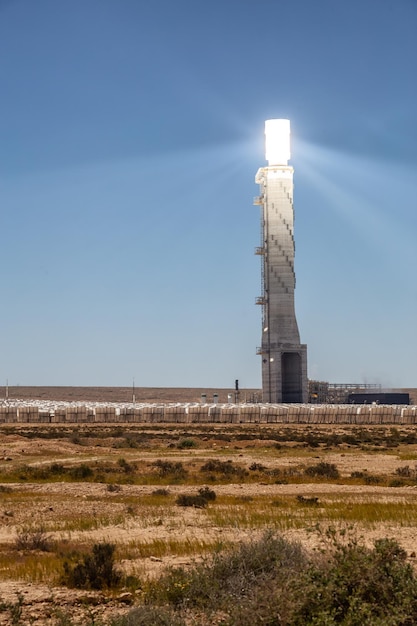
123, 394
65, 488
142, 394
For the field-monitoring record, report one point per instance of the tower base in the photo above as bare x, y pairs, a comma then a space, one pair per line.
284, 375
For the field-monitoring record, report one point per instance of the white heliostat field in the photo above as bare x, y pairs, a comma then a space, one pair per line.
284, 358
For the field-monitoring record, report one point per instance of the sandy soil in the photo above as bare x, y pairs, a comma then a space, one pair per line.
49, 503
123, 394
142, 394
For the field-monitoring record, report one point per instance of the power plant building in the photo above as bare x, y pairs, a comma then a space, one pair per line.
284, 358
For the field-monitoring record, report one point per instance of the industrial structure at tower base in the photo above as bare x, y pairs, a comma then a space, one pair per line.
284, 358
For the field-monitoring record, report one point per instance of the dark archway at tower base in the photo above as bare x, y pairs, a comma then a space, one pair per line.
292, 390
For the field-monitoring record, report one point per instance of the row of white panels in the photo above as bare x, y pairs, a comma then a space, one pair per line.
212, 413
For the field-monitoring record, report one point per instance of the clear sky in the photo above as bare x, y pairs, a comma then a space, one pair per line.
130, 135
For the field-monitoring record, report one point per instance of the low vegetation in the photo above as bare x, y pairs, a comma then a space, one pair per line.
170, 483
323, 470
33, 538
199, 500
266, 581
94, 571
274, 581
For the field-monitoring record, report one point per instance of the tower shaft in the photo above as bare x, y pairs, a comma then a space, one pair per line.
284, 358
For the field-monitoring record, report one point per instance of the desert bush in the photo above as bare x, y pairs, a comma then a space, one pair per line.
372, 479
95, 571
359, 585
273, 582
160, 492
148, 616
332, 439
357, 474
244, 499
404, 472
14, 608
81, 472
323, 470
226, 577
113, 488
291, 472
170, 468
33, 538
257, 467
186, 444
312, 440
197, 501
44, 472
226, 468
368, 479
305, 501
127, 442
126, 467
396, 482
207, 493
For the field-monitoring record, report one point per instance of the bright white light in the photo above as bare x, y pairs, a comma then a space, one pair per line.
277, 142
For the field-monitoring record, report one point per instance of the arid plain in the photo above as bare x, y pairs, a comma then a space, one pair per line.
65, 488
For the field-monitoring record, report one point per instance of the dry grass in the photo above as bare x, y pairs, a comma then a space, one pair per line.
107, 483
289, 512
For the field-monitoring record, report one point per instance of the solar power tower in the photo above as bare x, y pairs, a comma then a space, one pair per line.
284, 358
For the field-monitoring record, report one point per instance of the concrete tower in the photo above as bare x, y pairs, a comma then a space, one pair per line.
284, 358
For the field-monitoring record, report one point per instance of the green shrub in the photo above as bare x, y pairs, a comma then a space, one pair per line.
126, 467
225, 578
44, 472
322, 470
272, 582
358, 586
226, 468
186, 443
127, 442
81, 472
197, 501
95, 571
170, 469
200, 500
312, 440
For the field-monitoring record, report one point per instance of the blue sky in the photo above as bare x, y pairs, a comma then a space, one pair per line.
130, 135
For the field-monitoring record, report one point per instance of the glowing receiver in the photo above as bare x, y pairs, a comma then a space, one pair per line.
277, 142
